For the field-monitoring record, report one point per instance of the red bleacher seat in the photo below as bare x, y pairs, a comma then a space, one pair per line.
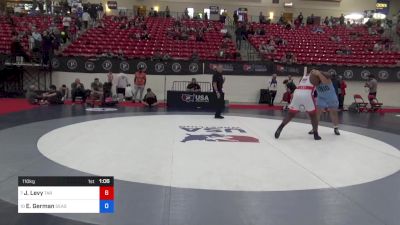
111, 38
322, 50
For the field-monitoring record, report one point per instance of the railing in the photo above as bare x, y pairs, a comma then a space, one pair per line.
252, 53
163, 14
182, 86
230, 23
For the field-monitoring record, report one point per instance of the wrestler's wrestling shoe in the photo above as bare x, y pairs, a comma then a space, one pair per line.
278, 132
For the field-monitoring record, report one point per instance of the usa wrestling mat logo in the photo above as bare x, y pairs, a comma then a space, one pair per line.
216, 134
195, 98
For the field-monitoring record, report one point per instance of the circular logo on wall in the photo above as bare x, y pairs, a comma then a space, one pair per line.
107, 65
101, 109
176, 67
55, 63
398, 75
159, 67
348, 74
280, 68
72, 64
142, 65
332, 72
247, 67
89, 66
193, 67
365, 74
383, 75
124, 66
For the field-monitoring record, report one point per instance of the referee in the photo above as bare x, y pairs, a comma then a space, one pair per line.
217, 82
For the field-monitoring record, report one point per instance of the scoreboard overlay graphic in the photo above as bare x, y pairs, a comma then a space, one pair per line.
65, 194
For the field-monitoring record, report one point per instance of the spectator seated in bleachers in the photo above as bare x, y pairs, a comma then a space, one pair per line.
271, 47
195, 56
166, 33
355, 36
277, 40
145, 36
263, 48
166, 57
378, 47
260, 32
344, 50
200, 36
221, 53
289, 58
318, 30
335, 38
157, 56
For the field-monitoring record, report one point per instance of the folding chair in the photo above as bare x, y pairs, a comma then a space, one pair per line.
375, 105
360, 103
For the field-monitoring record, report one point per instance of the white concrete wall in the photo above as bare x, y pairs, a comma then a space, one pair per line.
394, 7
319, 8
243, 89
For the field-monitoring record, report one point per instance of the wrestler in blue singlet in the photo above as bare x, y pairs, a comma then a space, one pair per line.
327, 97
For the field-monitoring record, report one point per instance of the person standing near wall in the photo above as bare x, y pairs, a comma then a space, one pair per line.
342, 92
139, 84
217, 83
239, 36
167, 13
235, 17
128, 93
100, 11
372, 85
85, 19
300, 18
107, 87
122, 82
272, 87
66, 23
